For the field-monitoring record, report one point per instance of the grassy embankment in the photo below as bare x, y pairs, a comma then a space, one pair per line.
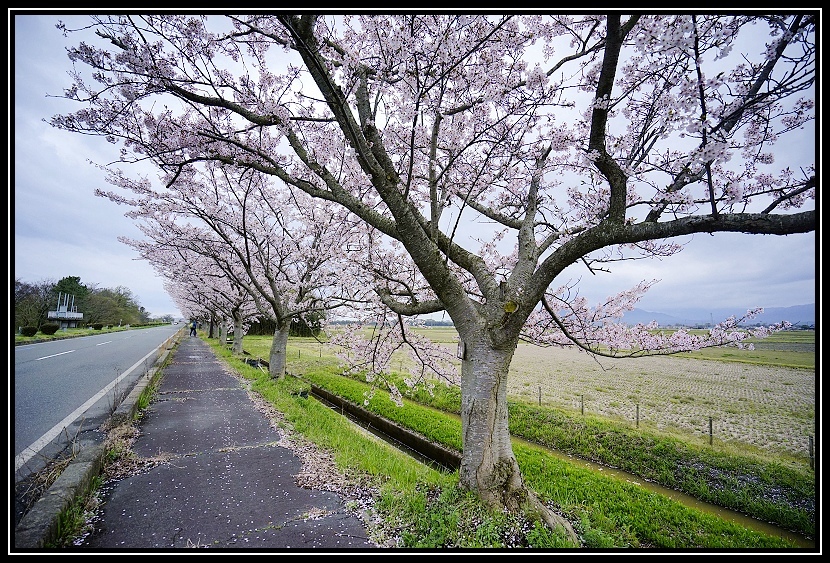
426, 510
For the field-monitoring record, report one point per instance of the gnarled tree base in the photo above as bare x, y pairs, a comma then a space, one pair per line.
552, 519
516, 497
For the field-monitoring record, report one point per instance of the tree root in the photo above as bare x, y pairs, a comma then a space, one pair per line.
552, 519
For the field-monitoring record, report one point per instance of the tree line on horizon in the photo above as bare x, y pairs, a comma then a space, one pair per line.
107, 306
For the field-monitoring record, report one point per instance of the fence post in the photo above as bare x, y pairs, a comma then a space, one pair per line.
582, 400
638, 415
540, 395
812, 456
710, 430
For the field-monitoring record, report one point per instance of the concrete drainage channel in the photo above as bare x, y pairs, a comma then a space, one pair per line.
423, 450
415, 445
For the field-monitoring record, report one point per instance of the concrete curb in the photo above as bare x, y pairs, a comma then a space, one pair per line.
39, 526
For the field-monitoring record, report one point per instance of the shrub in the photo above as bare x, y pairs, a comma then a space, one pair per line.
49, 328
98, 326
28, 330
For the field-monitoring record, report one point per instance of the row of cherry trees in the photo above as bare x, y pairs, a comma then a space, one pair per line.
404, 165
234, 248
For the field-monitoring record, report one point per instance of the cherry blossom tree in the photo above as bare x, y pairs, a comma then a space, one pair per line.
569, 138
200, 288
277, 247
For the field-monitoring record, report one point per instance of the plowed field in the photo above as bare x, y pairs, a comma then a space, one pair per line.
772, 408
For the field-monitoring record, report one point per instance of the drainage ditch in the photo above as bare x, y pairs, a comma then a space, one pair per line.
429, 453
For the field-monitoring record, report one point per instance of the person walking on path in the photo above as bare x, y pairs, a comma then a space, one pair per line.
193, 328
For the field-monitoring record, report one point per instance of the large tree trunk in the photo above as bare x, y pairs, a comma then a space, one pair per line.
279, 345
238, 334
488, 465
223, 332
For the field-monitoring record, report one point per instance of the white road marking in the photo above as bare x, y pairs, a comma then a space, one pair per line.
53, 355
31, 451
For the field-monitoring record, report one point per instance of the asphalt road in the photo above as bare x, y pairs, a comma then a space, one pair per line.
65, 387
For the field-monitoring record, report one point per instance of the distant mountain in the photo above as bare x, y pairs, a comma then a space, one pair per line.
639, 316
797, 315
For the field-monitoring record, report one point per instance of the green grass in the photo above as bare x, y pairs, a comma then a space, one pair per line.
782, 358
75, 517
794, 349
607, 512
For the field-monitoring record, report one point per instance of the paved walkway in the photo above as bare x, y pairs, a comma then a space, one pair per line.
227, 483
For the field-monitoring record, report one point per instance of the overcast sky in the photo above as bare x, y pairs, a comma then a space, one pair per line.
62, 229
